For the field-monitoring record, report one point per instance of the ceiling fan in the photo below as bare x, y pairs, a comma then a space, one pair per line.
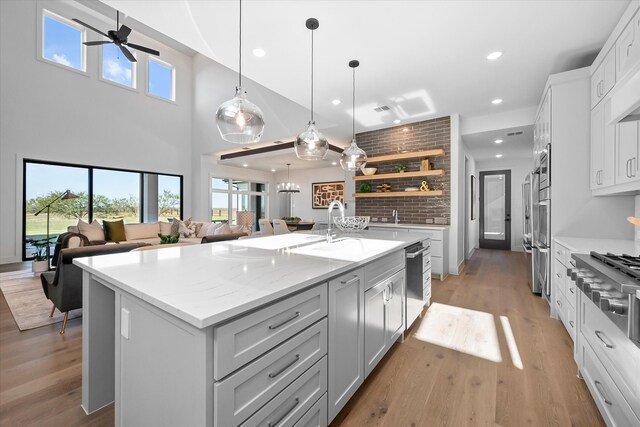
119, 38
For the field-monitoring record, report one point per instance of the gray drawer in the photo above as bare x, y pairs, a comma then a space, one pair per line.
612, 405
246, 391
316, 416
614, 349
289, 406
382, 268
248, 337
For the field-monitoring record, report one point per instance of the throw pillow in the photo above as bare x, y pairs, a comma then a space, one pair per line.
213, 227
165, 227
235, 228
92, 231
202, 229
224, 229
175, 225
198, 228
114, 231
187, 230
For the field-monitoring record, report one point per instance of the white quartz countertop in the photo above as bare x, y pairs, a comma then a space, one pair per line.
406, 225
210, 283
585, 245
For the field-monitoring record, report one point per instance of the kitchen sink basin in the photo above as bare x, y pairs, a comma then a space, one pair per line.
347, 248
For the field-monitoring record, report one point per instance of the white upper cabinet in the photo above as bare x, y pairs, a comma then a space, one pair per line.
627, 151
627, 46
604, 78
602, 146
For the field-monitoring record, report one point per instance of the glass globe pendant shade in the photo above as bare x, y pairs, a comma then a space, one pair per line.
353, 157
311, 144
239, 120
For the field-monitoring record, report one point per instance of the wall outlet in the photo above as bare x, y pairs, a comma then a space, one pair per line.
441, 220
429, 220
374, 219
383, 219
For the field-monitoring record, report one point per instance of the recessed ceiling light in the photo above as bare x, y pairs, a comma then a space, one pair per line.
494, 55
396, 121
334, 163
245, 165
498, 141
498, 155
259, 52
336, 102
273, 170
497, 101
405, 130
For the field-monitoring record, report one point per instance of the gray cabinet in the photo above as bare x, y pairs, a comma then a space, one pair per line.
384, 318
375, 330
346, 339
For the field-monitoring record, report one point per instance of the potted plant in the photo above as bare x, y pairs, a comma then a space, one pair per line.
365, 187
40, 261
402, 167
167, 239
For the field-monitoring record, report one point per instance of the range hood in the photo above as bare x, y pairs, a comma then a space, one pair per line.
625, 97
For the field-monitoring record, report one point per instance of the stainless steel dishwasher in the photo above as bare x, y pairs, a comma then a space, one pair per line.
416, 298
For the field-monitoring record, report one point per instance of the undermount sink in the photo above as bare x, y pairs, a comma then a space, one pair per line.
346, 248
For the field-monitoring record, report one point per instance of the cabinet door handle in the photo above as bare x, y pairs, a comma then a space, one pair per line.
285, 367
572, 262
572, 291
606, 344
559, 303
598, 387
627, 168
628, 48
279, 420
350, 281
284, 322
571, 323
558, 275
633, 166
390, 285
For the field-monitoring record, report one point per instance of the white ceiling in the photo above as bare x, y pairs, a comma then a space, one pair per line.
483, 147
278, 160
423, 59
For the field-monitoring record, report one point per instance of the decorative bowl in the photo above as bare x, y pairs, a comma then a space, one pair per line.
351, 223
369, 171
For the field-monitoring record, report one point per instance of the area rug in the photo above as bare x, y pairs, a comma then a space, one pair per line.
26, 300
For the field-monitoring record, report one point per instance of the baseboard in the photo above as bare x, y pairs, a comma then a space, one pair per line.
10, 260
471, 252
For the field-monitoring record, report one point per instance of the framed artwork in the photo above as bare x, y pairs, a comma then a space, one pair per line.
323, 193
474, 198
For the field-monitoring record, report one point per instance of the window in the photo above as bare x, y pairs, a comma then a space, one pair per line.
62, 42
102, 194
161, 79
228, 196
116, 67
116, 195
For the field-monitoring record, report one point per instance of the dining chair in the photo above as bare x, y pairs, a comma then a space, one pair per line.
265, 227
280, 227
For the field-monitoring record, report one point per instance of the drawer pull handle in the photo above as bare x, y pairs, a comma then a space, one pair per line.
558, 275
284, 368
572, 291
275, 423
558, 302
571, 323
572, 262
598, 387
348, 282
284, 322
606, 344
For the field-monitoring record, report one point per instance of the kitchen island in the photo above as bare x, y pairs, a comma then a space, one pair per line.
265, 331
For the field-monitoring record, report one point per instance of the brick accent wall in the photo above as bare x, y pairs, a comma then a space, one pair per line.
426, 135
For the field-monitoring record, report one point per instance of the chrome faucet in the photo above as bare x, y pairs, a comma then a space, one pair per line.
333, 204
395, 216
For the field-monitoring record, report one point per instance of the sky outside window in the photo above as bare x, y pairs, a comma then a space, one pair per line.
116, 67
160, 80
62, 43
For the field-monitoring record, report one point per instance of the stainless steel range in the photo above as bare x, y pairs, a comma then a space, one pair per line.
611, 282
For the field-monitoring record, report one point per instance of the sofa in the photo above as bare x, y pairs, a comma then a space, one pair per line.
148, 233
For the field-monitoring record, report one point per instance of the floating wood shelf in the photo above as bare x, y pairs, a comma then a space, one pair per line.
401, 194
431, 172
406, 156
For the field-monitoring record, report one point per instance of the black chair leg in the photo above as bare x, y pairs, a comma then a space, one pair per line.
52, 310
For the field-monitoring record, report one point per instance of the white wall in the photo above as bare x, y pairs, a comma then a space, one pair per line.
519, 169
302, 200
51, 113
456, 232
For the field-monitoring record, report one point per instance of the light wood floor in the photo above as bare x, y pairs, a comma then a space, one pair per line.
417, 383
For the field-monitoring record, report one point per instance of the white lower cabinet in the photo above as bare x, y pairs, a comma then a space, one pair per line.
346, 339
316, 416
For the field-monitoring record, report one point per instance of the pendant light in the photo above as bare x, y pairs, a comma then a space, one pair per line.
239, 120
311, 144
353, 157
288, 187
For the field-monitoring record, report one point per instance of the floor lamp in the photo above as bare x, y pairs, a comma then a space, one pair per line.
64, 196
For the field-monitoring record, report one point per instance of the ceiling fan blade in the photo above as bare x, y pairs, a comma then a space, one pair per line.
123, 32
128, 54
97, 43
90, 27
143, 49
